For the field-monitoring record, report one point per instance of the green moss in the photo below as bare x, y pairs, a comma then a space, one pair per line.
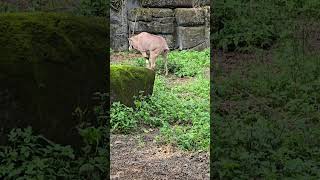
127, 81
141, 11
53, 63
49, 36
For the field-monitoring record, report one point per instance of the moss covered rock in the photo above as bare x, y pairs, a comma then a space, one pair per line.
50, 64
129, 81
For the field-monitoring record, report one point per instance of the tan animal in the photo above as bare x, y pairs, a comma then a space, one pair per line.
152, 45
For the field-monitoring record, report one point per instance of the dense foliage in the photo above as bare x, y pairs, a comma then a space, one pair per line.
265, 113
266, 119
248, 24
93, 8
80, 7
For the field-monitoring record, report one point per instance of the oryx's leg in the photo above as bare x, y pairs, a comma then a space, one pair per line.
165, 59
153, 57
144, 54
147, 63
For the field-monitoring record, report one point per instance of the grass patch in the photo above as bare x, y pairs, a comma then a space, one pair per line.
180, 111
180, 63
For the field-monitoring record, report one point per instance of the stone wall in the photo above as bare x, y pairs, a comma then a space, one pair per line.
185, 24
118, 27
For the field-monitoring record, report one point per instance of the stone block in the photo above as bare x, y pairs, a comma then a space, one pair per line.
190, 16
189, 37
153, 27
148, 14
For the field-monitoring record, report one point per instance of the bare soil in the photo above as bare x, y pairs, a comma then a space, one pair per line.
139, 157
123, 56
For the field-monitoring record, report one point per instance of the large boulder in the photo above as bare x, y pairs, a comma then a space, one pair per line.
128, 81
50, 64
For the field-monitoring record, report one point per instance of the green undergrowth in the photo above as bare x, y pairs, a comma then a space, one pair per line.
247, 25
31, 156
266, 118
181, 110
80, 7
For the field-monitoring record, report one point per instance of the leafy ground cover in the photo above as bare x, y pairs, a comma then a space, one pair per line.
179, 105
32, 156
265, 100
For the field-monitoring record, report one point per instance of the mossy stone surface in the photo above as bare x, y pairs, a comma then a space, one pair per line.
50, 64
190, 16
148, 14
128, 81
174, 3
191, 37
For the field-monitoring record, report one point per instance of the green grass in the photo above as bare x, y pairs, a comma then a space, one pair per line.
266, 119
180, 63
180, 111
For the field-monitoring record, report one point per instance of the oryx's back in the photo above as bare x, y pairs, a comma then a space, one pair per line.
146, 41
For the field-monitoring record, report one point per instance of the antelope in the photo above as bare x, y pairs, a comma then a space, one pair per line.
150, 46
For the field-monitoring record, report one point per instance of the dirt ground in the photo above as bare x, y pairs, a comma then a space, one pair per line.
121, 56
139, 157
